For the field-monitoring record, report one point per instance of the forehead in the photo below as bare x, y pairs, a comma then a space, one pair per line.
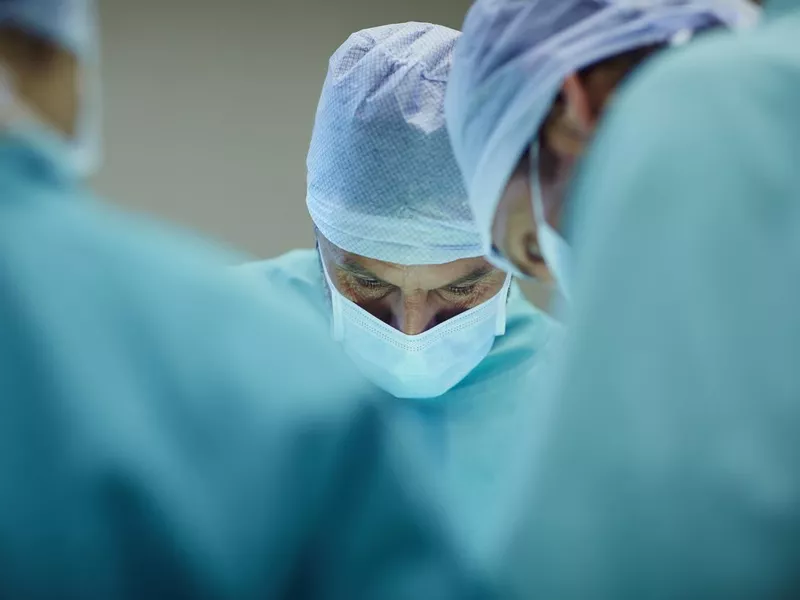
425, 277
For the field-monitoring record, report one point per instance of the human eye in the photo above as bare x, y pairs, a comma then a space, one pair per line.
370, 284
462, 290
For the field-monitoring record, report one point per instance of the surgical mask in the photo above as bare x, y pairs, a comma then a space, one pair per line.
417, 366
79, 155
554, 248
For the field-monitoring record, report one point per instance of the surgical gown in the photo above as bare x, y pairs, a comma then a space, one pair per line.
474, 432
165, 432
670, 462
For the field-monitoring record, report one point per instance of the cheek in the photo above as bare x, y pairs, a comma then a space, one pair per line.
555, 194
553, 201
514, 216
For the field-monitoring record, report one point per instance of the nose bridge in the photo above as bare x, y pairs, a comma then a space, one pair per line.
413, 314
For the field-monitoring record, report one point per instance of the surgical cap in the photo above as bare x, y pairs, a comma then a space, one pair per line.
71, 24
382, 179
514, 55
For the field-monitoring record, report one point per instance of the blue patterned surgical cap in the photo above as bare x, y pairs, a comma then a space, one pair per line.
382, 180
512, 59
72, 24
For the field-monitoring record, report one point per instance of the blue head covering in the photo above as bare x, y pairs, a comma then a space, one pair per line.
514, 55
382, 180
71, 24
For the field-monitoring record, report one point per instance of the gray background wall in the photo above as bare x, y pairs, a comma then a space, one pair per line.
209, 106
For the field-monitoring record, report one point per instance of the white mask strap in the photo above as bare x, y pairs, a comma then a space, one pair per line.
555, 250
337, 326
502, 298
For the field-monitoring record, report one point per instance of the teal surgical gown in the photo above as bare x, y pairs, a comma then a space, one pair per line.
669, 465
167, 432
474, 432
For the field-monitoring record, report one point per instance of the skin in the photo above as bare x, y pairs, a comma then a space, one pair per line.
412, 299
45, 78
564, 138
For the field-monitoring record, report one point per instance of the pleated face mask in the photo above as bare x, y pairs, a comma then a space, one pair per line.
417, 366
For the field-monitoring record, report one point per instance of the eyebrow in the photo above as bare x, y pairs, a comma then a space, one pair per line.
352, 267
471, 278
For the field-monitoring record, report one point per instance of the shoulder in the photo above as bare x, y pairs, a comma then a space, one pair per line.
299, 266
684, 137
527, 324
521, 350
295, 276
166, 296
696, 94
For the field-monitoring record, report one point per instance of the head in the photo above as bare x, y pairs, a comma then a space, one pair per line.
530, 83
48, 63
413, 300
44, 76
563, 137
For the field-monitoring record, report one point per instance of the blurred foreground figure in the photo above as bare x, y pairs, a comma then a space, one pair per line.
159, 434
671, 462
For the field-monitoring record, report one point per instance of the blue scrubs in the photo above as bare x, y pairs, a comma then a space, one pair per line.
670, 467
475, 431
167, 432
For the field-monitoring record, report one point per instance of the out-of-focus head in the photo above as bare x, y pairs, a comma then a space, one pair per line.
531, 79
49, 71
384, 191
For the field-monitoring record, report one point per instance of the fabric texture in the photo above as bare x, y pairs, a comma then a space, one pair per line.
667, 463
166, 431
72, 25
513, 57
471, 436
382, 179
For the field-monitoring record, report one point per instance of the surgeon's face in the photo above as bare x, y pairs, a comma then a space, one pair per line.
560, 144
414, 298
561, 141
514, 230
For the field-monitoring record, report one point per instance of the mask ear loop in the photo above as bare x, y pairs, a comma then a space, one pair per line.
536, 190
553, 246
502, 298
337, 322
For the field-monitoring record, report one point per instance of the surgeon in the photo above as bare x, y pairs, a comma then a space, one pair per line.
530, 83
159, 435
673, 431
686, 484
668, 468
398, 277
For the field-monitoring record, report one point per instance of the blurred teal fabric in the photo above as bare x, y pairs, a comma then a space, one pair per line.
668, 461
168, 432
473, 434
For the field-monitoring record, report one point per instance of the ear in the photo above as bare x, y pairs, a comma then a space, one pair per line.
578, 103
